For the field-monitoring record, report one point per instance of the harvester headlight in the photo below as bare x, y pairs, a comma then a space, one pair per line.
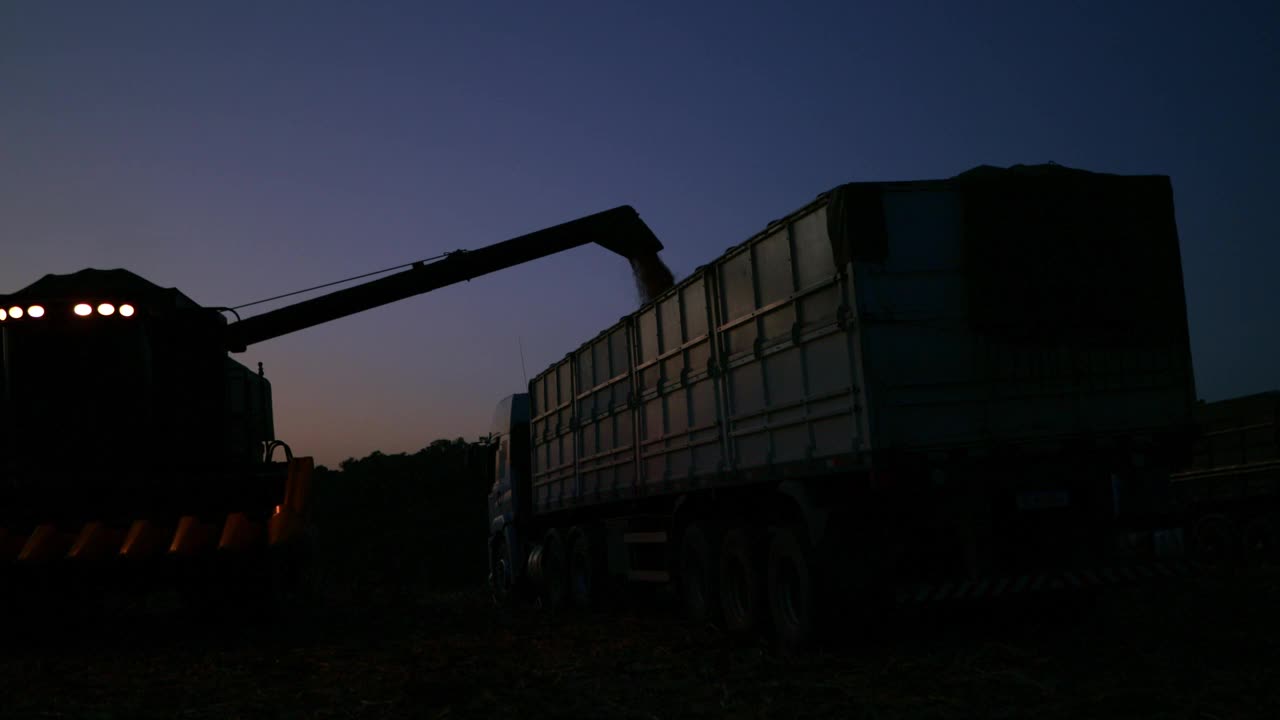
36, 311
4, 314
15, 312
126, 310
106, 309
84, 309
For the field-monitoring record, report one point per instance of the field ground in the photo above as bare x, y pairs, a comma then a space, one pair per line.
1197, 649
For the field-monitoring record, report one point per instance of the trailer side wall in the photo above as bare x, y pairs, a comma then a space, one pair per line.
918, 317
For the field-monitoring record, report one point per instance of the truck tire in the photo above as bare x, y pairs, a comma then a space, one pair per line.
697, 576
742, 596
1262, 540
555, 575
1216, 542
582, 570
792, 593
500, 585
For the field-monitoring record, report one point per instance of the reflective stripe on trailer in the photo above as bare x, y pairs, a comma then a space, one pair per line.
943, 592
991, 588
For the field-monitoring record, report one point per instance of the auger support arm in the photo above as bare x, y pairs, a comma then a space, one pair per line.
620, 230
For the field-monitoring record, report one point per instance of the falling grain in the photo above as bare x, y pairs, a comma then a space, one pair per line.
653, 277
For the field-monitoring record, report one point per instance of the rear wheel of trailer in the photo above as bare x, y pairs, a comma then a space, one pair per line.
791, 592
742, 588
697, 574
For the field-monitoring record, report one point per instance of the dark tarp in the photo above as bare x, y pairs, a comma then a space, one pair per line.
855, 223
1053, 255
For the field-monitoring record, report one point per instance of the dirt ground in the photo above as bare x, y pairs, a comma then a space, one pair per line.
1196, 649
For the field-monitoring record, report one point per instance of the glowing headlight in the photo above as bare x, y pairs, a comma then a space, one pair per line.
15, 312
106, 309
36, 311
4, 314
84, 309
126, 310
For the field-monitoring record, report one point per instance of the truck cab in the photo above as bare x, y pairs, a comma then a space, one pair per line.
509, 496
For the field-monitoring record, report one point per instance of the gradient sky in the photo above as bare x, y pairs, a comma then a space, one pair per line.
237, 150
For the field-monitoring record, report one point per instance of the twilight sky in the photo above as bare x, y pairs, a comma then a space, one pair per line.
237, 150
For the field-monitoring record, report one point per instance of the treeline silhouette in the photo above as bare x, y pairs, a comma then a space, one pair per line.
391, 526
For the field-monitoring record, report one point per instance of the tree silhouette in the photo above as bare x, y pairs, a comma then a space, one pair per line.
391, 524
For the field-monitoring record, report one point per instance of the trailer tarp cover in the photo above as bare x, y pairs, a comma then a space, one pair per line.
1053, 255
855, 223
1062, 256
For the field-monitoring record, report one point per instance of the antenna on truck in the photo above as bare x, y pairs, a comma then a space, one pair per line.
525, 373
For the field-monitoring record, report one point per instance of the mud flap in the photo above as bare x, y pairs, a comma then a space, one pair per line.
1035, 583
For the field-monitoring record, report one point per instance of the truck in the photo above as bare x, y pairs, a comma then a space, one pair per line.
133, 447
901, 392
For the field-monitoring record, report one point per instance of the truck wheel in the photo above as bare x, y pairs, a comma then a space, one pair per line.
500, 585
742, 597
793, 602
696, 573
582, 567
1216, 543
1262, 540
555, 583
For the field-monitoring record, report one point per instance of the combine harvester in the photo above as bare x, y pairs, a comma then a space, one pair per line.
903, 392
133, 447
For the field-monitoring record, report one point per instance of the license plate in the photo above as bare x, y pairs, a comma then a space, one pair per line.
1043, 499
